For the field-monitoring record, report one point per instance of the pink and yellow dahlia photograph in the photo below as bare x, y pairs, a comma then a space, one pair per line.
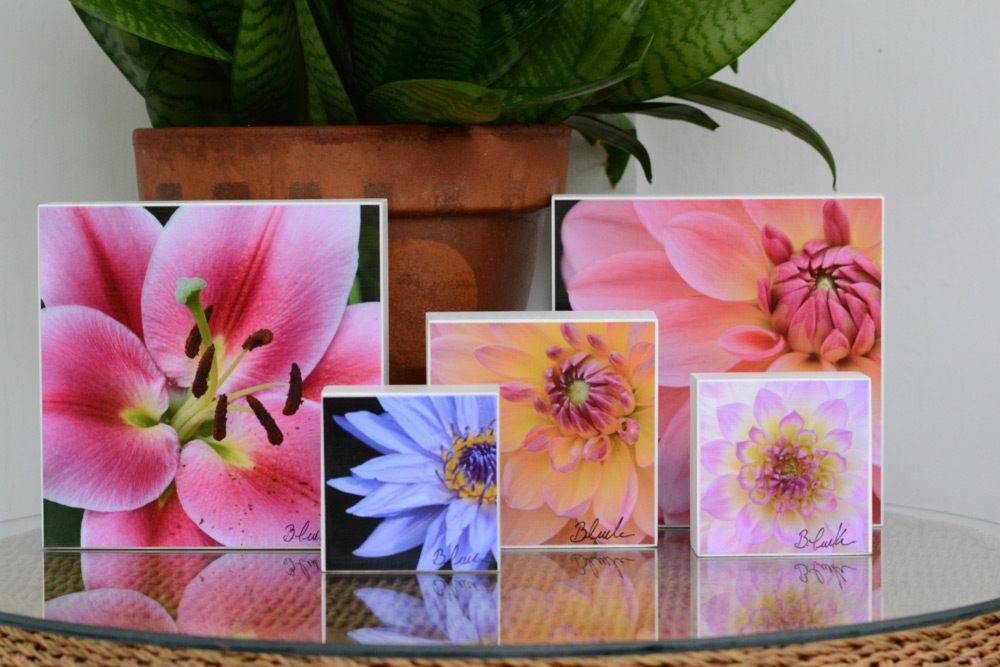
782, 464
758, 285
184, 350
577, 421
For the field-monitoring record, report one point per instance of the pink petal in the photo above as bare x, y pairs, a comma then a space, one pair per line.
96, 256
259, 596
715, 255
800, 362
851, 488
523, 474
690, 330
528, 527
800, 219
154, 525
511, 362
453, 360
724, 498
614, 283
287, 269
866, 337
754, 523
735, 421
569, 494
674, 454
355, 355
719, 457
787, 527
838, 440
835, 347
865, 216
768, 409
752, 343
94, 371
110, 608
777, 245
615, 498
273, 500
830, 415
656, 214
160, 576
594, 229
836, 224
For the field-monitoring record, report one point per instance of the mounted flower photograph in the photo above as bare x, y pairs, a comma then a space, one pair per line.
184, 349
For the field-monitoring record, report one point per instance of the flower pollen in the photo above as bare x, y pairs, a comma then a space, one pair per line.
470, 465
200, 384
274, 435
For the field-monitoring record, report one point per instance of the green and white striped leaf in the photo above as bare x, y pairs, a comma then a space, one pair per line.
132, 55
494, 63
584, 41
504, 19
268, 77
693, 40
518, 98
616, 132
730, 99
665, 110
223, 18
184, 90
395, 40
432, 101
332, 18
157, 22
328, 101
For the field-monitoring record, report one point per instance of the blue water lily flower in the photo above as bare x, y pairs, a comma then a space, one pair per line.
434, 485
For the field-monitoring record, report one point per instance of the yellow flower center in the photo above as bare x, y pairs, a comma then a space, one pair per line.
470, 465
577, 392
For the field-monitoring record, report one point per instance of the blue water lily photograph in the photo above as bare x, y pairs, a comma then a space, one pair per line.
411, 481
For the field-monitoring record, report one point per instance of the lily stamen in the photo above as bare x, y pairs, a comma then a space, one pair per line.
200, 384
219, 424
294, 399
258, 338
274, 435
193, 342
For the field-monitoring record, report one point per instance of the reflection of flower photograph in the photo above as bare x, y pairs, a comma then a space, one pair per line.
783, 465
578, 423
754, 596
411, 481
184, 350
738, 285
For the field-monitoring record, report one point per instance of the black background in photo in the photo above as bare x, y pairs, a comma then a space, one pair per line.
560, 207
345, 532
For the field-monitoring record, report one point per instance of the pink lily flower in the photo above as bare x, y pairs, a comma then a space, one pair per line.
166, 422
738, 285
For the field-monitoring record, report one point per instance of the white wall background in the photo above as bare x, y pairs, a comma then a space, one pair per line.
904, 92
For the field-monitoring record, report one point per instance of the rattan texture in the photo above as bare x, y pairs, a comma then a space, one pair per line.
974, 641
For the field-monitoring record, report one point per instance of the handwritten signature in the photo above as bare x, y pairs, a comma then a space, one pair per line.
307, 567
592, 564
302, 534
441, 557
819, 543
596, 533
818, 570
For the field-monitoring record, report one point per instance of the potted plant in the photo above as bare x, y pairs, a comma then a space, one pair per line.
454, 110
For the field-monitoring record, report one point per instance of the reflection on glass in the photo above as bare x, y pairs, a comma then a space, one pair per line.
674, 584
561, 597
273, 596
414, 609
750, 596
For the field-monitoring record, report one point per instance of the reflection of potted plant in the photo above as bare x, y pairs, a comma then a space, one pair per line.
416, 64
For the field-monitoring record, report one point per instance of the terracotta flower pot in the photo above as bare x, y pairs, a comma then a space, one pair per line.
466, 203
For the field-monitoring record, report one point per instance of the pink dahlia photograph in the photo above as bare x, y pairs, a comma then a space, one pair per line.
577, 423
763, 285
184, 349
783, 465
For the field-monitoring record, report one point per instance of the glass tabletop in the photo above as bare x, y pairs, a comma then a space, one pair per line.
927, 568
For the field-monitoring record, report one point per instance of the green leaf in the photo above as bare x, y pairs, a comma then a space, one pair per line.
328, 101
693, 40
156, 22
131, 54
184, 90
517, 98
432, 101
735, 66
494, 63
223, 18
617, 131
584, 41
333, 19
730, 99
268, 79
395, 40
666, 110
504, 19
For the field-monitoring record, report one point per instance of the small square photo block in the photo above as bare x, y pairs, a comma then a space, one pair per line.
577, 419
781, 463
184, 348
410, 479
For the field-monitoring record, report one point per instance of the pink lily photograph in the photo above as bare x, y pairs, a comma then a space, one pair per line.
577, 419
745, 285
184, 350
